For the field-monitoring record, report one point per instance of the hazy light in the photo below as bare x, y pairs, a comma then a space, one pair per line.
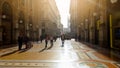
63, 7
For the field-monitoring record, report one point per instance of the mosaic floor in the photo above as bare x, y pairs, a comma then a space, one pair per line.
72, 55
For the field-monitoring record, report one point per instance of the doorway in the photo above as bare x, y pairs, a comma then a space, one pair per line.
7, 23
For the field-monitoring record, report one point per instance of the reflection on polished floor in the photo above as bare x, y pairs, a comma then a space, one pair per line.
72, 55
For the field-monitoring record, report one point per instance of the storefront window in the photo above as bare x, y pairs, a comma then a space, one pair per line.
117, 33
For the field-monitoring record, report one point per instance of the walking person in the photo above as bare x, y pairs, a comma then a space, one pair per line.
55, 38
51, 42
26, 40
41, 38
20, 41
46, 41
63, 39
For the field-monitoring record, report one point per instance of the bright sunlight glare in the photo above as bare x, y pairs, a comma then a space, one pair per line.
63, 7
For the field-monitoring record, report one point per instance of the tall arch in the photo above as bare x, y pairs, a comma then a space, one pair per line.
7, 23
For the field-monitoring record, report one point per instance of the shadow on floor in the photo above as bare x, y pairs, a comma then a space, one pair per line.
42, 50
7, 46
20, 51
45, 49
9, 53
25, 50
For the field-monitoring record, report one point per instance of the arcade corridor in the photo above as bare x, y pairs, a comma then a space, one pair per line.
72, 55
94, 24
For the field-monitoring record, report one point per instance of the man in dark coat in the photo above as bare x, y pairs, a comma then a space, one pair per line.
20, 41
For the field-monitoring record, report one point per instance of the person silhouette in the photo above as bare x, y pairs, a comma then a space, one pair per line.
20, 41
63, 39
46, 41
51, 42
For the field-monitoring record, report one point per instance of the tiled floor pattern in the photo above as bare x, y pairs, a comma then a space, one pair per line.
37, 64
118, 64
72, 55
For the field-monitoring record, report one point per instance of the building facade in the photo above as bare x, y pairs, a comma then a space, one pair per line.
97, 22
27, 16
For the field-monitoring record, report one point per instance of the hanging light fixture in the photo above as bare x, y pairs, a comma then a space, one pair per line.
21, 21
4, 16
113, 1
86, 20
30, 25
94, 14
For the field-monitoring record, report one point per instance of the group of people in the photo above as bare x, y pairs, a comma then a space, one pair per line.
47, 38
24, 39
52, 39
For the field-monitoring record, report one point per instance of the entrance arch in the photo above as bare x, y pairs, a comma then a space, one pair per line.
6, 23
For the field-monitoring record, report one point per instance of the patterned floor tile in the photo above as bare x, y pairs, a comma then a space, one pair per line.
72, 55
96, 64
92, 65
118, 64
83, 55
42, 64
